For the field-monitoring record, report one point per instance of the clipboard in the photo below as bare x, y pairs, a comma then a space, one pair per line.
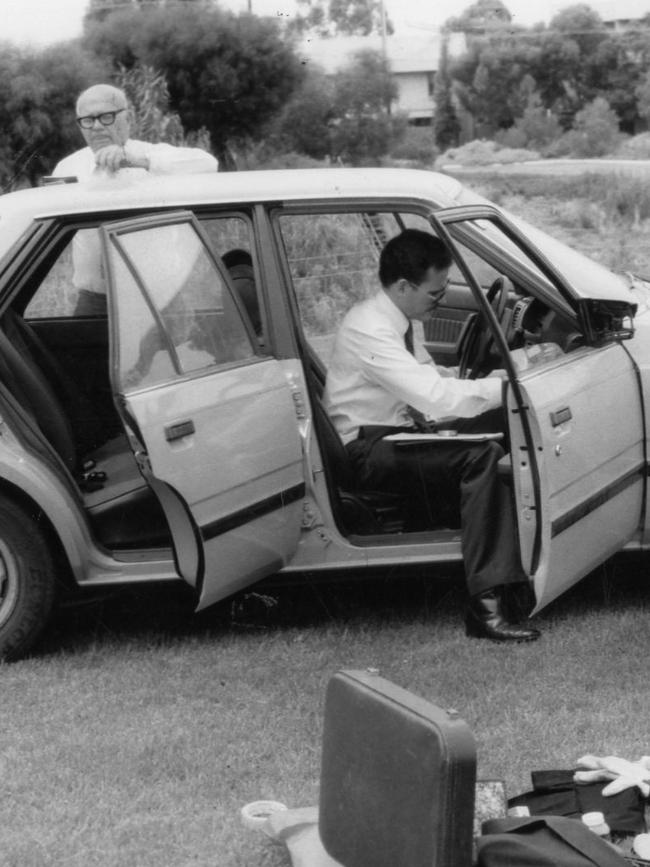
410, 439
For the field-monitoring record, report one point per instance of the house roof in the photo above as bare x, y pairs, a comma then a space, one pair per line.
416, 52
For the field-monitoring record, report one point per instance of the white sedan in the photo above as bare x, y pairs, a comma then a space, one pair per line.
173, 431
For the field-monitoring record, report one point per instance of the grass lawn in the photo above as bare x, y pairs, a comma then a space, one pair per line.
134, 735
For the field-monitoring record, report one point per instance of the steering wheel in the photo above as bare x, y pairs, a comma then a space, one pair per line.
477, 341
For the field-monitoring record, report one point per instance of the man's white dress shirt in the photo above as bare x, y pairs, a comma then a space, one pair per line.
372, 378
164, 159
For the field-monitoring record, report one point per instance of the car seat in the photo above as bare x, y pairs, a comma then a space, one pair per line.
359, 511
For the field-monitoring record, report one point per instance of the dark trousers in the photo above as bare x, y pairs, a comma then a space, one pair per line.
443, 480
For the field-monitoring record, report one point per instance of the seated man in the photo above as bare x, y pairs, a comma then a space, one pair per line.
379, 383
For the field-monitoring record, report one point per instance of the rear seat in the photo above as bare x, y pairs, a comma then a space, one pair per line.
122, 509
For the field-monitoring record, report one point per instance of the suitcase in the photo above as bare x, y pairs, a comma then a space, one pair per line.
398, 777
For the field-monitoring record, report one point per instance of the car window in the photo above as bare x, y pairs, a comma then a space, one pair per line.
231, 239
79, 266
484, 272
333, 260
58, 292
175, 313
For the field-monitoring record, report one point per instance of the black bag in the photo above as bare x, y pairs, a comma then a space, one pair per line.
555, 793
544, 841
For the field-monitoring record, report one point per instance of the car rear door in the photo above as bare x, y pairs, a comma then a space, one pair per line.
576, 422
211, 420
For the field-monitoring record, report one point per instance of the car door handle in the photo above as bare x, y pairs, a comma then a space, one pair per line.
179, 430
561, 415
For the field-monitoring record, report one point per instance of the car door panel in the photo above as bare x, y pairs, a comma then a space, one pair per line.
586, 425
214, 422
240, 465
576, 423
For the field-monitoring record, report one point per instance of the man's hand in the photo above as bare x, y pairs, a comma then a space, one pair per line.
114, 157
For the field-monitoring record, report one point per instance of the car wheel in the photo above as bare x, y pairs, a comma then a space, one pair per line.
27, 580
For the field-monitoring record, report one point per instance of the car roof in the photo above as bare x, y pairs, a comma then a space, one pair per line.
324, 185
225, 187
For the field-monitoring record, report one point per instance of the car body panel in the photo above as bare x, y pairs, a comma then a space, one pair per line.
590, 467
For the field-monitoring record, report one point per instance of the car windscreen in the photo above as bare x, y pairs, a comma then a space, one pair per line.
588, 278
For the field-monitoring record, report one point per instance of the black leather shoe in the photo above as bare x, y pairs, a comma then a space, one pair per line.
485, 619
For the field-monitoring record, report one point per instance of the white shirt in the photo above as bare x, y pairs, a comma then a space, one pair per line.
164, 159
373, 378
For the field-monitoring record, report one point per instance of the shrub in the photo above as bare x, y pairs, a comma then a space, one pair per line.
416, 145
484, 153
635, 147
595, 133
513, 137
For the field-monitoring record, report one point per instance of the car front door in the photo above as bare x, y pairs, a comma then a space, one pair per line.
211, 420
576, 419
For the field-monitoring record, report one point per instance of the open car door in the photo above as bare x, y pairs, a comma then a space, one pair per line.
212, 422
576, 421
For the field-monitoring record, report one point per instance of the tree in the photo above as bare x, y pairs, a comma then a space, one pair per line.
305, 123
38, 90
148, 96
536, 129
364, 129
595, 131
446, 127
571, 62
629, 57
229, 74
326, 18
480, 16
488, 79
99, 10
642, 93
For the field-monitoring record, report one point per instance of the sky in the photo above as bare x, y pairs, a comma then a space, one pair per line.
42, 22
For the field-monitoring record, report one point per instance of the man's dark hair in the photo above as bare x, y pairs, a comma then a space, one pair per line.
409, 256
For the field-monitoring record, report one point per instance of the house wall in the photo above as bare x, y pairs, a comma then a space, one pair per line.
415, 94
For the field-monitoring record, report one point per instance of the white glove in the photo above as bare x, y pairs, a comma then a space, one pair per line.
623, 774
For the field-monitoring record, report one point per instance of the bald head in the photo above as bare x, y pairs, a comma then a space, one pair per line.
104, 117
104, 93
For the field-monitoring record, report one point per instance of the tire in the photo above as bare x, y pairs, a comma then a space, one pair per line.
27, 580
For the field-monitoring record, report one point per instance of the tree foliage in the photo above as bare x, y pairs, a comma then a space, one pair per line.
595, 132
446, 127
38, 90
480, 16
348, 117
305, 123
225, 73
570, 63
325, 18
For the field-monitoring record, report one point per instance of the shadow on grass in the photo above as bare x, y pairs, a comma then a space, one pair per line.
164, 615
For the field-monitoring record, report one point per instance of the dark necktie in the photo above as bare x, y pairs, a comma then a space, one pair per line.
408, 339
416, 416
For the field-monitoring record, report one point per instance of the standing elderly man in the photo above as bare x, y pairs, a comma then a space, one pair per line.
104, 118
381, 381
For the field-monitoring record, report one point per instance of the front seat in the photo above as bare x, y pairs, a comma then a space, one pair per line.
360, 511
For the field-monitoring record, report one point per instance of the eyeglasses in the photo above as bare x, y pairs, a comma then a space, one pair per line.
436, 293
106, 118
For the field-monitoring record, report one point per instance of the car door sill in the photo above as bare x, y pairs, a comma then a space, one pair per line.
427, 537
